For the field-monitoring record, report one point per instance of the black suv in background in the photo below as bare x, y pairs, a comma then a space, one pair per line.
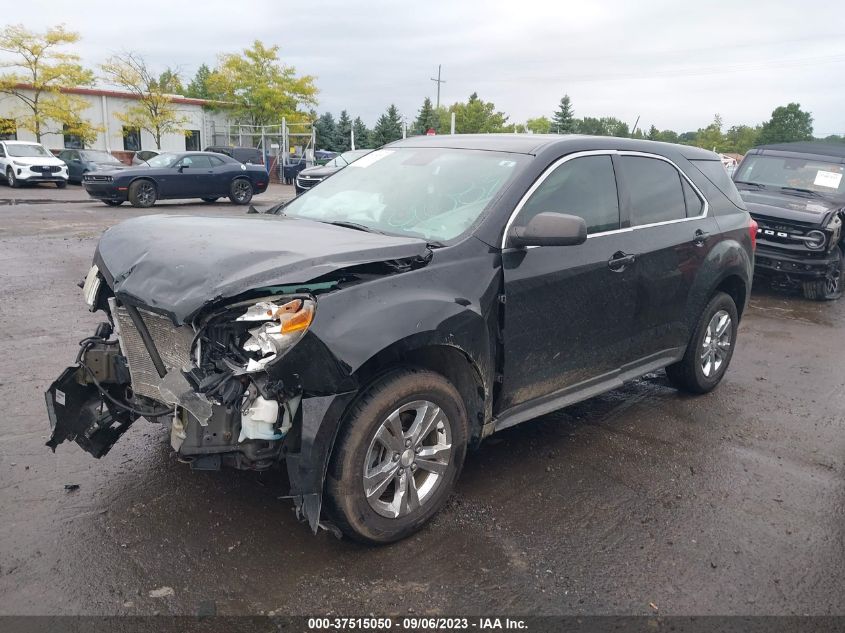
796, 193
433, 292
246, 155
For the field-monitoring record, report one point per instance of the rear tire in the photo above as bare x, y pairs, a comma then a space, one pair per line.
61, 184
240, 191
411, 469
142, 193
830, 287
710, 349
11, 179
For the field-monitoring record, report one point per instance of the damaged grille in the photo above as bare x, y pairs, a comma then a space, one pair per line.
173, 345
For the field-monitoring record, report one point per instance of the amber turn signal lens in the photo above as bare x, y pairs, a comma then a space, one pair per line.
298, 321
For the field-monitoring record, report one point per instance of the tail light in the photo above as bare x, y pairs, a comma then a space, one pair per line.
752, 231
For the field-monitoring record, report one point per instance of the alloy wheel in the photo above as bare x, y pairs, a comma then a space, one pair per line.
146, 193
716, 343
832, 281
407, 459
242, 190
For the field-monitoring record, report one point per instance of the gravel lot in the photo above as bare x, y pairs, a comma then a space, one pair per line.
729, 503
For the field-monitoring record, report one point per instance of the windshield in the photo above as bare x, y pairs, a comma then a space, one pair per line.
26, 150
347, 157
100, 157
795, 173
162, 160
432, 193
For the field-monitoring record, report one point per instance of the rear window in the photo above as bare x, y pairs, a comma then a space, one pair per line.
718, 175
654, 190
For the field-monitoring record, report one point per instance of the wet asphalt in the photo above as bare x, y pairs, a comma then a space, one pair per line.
640, 501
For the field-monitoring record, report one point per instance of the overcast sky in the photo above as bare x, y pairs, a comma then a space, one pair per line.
671, 63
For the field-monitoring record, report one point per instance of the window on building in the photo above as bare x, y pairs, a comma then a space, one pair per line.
72, 141
192, 141
8, 130
585, 187
654, 190
131, 139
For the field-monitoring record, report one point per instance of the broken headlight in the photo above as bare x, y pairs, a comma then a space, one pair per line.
282, 325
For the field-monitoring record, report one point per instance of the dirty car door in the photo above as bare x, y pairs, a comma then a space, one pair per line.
568, 309
673, 235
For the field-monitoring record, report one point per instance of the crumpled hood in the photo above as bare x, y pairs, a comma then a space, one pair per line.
177, 264
788, 207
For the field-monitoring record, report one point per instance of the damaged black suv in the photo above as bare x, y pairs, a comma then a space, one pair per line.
434, 292
796, 193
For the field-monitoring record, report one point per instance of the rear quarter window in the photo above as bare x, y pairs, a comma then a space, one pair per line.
715, 172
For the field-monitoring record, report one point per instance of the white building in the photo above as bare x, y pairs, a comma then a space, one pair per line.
104, 104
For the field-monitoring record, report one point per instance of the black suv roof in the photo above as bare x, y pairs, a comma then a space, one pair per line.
534, 143
819, 148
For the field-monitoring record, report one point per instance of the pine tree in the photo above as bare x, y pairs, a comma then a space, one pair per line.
326, 130
427, 119
198, 87
362, 134
344, 126
388, 128
563, 120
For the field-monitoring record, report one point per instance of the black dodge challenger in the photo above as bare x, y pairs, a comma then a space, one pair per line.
202, 175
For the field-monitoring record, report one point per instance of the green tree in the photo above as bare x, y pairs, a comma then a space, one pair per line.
667, 136
427, 119
834, 138
326, 131
343, 142
388, 128
788, 123
198, 86
259, 89
170, 82
477, 117
539, 125
711, 137
604, 126
563, 120
740, 138
153, 110
38, 70
362, 134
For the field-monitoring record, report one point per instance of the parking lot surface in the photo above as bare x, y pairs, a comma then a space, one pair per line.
639, 501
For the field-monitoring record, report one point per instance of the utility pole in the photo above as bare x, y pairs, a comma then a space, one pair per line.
438, 81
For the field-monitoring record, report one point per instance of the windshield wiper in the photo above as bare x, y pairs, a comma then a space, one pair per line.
355, 226
753, 184
810, 191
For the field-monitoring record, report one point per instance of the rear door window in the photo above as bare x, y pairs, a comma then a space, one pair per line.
654, 190
585, 187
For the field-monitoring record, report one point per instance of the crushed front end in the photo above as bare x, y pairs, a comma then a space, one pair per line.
217, 382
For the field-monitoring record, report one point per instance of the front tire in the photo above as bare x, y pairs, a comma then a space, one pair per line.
711, 348
240, 191
398, 454
61, 184
142, 193
11, 179
830, 287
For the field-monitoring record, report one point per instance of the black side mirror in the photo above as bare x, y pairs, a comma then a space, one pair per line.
182, 168
549, 229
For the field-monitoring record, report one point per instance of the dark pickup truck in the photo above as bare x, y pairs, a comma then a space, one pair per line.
796, 193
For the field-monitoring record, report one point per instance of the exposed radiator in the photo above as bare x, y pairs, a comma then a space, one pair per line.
173, 345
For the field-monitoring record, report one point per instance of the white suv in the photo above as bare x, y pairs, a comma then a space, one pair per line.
23, 161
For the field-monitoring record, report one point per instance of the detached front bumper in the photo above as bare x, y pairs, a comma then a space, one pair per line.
772, 262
